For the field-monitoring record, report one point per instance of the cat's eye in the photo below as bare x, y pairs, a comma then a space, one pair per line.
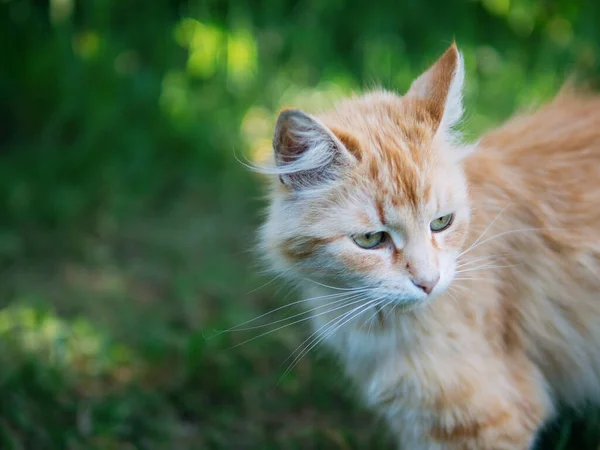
441, 223
369, 240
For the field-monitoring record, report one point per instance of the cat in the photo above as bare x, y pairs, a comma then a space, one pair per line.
459, 285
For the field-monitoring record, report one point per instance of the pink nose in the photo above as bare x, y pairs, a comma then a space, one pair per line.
426, 285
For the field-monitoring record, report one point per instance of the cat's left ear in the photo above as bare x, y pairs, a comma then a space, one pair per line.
307, 152
441, 86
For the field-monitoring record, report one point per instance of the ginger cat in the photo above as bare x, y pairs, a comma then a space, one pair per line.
459, 285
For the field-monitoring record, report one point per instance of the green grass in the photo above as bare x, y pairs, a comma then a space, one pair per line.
114, 350
127, 226
118, 348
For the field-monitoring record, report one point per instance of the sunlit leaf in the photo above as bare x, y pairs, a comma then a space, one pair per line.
174, 97
86, 44
560, 31
497, 7
242, 57
60, 10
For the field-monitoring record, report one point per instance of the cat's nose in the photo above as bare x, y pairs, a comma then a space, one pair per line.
426, 285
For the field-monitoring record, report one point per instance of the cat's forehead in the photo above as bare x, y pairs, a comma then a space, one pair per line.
382, 121
394, 142
389, 197
396, 191
391, 137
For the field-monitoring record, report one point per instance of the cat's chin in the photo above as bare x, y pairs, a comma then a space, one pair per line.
408, 306
385, 317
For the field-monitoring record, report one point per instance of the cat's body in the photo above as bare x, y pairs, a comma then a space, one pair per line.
466, 335
543, 307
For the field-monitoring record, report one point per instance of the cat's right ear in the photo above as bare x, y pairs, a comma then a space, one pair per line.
441, 87
307, 153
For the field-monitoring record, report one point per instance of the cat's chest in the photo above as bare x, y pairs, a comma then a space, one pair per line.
400, 365
371, 356
381, 366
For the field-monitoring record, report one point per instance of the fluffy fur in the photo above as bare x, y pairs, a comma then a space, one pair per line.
512, 325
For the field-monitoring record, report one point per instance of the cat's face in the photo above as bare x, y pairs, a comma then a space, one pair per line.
371, 196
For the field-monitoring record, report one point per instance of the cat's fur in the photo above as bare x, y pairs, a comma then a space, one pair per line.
512, 327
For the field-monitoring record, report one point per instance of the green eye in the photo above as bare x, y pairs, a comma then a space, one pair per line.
441, 223
369, 240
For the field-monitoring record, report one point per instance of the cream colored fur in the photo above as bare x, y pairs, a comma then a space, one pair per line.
513, 325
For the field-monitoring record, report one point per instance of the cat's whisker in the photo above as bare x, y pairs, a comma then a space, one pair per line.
392, 309
277, 277
452, 297
333, 287
355, 313
486, 266
472, 261
486, 230
482, 264
287, 305
469, 279
393, 303
287, 295
351, 297
316, 333
378, 308
458, 288
296, 322
282, 286
522, 230
269, 271
333, 327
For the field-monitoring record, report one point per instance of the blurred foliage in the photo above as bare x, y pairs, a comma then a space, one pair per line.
126, 219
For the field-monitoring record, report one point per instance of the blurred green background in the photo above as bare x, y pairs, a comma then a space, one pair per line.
127, 224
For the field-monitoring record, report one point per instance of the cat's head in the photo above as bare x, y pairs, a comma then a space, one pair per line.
371, 195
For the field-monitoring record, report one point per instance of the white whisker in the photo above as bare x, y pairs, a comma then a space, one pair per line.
355, 313
472, 261
392, 309
486, 266
333, 287
352, 296
294, 323
337, 294
486, 230
378, 308
452, 297
469, 278
277, 277
458, 288
315, 333
504, 234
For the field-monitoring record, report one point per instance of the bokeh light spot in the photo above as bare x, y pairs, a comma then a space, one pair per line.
204, 42
560, 31
86, 44
242, 57
60, 10
497, 7
174, 95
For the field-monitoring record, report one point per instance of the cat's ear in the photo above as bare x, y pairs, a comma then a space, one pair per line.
441, 86
307, 153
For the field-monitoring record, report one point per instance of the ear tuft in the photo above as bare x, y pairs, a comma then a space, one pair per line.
306, 151
453, 110
441, 86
